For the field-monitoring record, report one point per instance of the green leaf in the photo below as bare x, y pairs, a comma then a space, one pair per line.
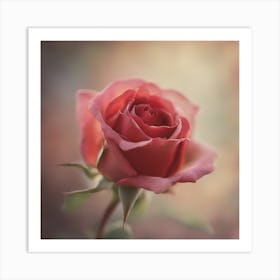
128, 197
89, 172
75, 199
118, 231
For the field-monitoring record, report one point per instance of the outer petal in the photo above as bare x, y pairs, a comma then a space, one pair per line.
150, 93
91, 133
183, 106
113, 165
117, 88
200, 162
155, 158
179, 157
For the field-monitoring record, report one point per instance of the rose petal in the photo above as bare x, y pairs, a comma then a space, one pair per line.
113, 165
91, 133
117, 117
199, 162
155, 184
129, 129
183, 106
118, 105
145, 95
179, 158
153, 88
182, 130
117, 88
154, 131
109, 132
155, 158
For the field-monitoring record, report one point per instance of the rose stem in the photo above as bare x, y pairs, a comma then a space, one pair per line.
108, 212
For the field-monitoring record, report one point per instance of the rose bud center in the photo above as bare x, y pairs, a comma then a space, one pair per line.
153, 116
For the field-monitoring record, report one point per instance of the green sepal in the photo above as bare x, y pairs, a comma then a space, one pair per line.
128, 196
75, 199
100, 154
88, 171
141, 205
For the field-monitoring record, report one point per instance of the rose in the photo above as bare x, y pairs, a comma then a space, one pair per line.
147, 135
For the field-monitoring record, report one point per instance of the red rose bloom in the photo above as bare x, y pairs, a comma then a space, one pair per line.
147, 132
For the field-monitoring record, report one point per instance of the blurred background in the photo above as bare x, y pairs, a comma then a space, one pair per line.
206, 71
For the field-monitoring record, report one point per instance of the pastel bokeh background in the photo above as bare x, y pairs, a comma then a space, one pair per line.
206, 71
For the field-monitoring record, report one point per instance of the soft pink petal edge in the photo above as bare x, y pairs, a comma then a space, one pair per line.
200, 166
201, 163
90, 129
116, 88
95, 107
182, 104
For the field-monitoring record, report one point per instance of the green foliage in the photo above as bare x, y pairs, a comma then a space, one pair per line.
75, 199
119, 231
89, 172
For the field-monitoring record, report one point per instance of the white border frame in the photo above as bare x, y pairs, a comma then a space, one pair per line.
243, 35
263, 260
